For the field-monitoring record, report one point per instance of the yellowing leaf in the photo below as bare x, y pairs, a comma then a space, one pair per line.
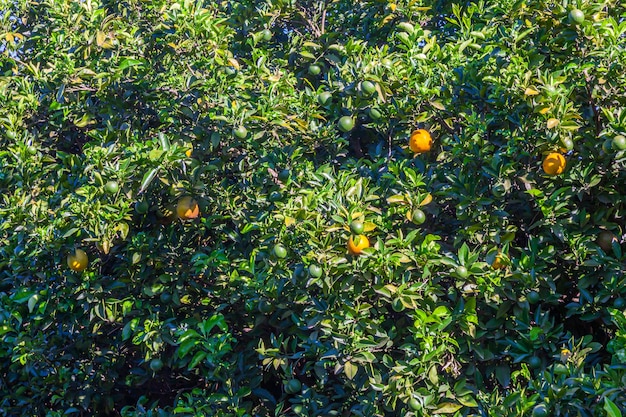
84, 121
350, 369
438, 105
234, 63
530, 91
313, 45
544, 109
426, 200
286, 125
398, 198
552, 123
100, 38
448, 408
369, 226
404, 259
381, 95
387, 291
106, 246
289, 221
356, 215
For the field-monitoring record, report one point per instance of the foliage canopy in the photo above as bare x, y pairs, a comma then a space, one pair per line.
488, 287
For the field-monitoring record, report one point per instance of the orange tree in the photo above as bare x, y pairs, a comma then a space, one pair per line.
180, 183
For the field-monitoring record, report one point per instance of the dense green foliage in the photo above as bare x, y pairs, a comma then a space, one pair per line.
490, 288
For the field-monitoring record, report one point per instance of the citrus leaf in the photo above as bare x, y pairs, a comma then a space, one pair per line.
611, 409
147, 179
32, 302
552, 123
398, 198
448, 408
530, 91
129, 62
350, 370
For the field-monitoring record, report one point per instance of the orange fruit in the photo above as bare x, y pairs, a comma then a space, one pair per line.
554, 163
605, 240
618, 143
346, 124
292, 386
187, 208
498, 263
156, 364
356, 244
357, 227
78, 261
420, 141
111, 187
576, 17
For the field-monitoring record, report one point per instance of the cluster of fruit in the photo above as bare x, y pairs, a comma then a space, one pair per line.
187, 208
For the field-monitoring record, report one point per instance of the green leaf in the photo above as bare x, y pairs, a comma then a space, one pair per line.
186, 346
129, 62
503, 375
611, 409
147, 179
197, 358
22, 295
71, 232
307, 54
463, 253
164, 141
215, 320
32, 302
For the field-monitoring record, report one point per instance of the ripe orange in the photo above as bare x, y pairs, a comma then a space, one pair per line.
78, 261
554, 163
187, 208
420, 141
356, 244
498, 263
